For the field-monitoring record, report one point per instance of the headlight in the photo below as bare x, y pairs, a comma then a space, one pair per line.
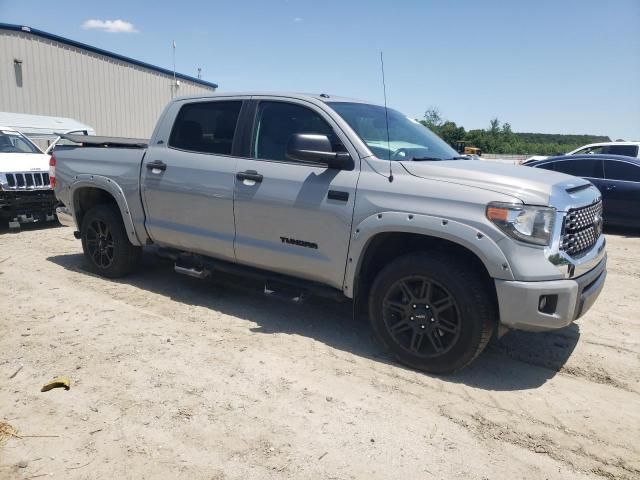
523, 222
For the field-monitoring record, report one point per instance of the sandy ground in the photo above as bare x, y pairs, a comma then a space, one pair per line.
178, 378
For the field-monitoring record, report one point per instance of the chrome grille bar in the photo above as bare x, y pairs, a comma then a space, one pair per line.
582, 228
25, 181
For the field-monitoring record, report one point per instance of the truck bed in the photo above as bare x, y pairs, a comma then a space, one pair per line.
110, 163
113, 142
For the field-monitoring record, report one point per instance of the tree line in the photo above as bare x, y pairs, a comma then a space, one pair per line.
500, 138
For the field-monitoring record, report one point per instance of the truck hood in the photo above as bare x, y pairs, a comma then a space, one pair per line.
23, 162
530, 185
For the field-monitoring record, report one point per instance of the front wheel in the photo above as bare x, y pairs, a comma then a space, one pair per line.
432, 313
105, 243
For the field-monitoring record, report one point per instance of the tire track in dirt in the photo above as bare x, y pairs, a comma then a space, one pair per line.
593, 373
576, 455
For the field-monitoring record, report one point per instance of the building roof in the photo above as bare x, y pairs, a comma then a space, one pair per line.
84, 46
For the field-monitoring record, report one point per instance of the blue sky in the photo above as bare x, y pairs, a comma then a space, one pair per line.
558, 66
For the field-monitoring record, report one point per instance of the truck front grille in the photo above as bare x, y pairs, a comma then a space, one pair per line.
582, 228
26, 181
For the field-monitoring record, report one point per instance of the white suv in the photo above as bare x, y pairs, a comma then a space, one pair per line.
626, 149
25, 190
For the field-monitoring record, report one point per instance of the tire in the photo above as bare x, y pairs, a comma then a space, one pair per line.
105, 243
432, 313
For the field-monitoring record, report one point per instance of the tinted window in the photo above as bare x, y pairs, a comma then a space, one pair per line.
548, 166
625, 150
278, 121
580, 168
621, 171
206, 127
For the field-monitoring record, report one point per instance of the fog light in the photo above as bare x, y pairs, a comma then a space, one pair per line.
548, 303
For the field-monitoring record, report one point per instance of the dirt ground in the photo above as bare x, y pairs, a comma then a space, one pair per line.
174, 377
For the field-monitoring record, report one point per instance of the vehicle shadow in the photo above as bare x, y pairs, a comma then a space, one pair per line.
518, 361
4, 227
622, 231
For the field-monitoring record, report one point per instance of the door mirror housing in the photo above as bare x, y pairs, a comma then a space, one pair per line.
310, 147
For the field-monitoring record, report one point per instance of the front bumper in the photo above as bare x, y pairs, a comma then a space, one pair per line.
30, 205
519, 302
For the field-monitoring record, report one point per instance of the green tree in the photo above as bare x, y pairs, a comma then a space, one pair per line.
432, 118
500, 138
451, 133
494, 126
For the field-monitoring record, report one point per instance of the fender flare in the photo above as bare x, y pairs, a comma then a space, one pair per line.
485, 248
112, 188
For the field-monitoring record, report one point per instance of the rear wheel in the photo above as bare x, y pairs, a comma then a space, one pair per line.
105, 243
432, 313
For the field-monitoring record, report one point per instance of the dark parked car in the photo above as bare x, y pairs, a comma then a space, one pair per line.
617, 178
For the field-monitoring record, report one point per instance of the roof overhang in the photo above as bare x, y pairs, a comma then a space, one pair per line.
99, 51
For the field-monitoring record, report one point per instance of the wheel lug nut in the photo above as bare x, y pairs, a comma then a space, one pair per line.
411, 318
415, 306
422, 326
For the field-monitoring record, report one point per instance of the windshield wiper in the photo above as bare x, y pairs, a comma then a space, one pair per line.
427, 159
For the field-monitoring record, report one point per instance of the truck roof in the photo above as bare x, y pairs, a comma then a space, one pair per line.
322, 97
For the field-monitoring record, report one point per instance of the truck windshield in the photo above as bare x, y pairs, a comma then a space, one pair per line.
408, 139
13, 142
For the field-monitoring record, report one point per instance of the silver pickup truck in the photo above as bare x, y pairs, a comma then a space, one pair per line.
317, 194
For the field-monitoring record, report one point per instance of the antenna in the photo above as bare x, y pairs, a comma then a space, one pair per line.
174, 68
386, 117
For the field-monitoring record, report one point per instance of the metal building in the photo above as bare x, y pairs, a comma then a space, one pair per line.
44, 74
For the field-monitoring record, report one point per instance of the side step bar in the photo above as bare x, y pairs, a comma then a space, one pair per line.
191, 271
275, 285
285, 292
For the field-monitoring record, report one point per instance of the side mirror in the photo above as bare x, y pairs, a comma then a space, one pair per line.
309, 147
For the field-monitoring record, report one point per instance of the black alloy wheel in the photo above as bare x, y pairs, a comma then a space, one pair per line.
421, 316
100, 243
433, 311
105, 242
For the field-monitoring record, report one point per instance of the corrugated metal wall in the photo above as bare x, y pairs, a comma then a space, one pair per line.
114, 97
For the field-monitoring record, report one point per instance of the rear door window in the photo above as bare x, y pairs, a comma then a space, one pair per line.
624, 150
615, 170
580, 168
206, 127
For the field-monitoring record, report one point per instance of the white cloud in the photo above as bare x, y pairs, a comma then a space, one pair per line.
111, 26
297, 19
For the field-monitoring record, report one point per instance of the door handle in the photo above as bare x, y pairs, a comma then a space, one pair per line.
249, 175
338, 195
157, 164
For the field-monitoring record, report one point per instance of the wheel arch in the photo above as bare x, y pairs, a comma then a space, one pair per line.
94, 190
385, 236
